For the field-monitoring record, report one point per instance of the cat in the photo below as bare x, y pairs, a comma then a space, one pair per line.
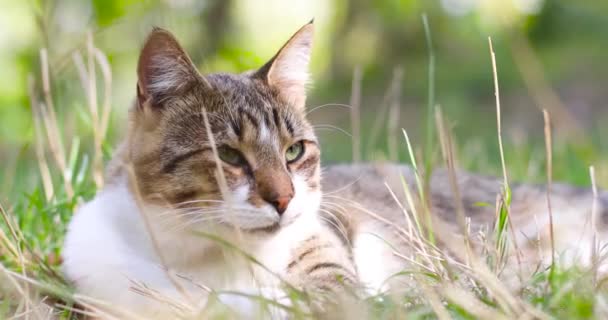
153, 226
218, 187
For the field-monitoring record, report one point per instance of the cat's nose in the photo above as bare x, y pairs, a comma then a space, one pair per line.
280, 203
275, 187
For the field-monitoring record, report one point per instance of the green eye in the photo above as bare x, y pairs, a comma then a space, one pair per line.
294, 152
231, 156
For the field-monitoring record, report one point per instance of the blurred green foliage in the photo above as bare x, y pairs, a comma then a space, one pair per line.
567, 40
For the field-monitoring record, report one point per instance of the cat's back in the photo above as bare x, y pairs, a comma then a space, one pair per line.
368, 184
381, 188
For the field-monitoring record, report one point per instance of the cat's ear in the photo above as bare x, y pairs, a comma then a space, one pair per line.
287, 71
164, 69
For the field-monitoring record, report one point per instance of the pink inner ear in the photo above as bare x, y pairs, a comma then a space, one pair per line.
289, 70
164, 68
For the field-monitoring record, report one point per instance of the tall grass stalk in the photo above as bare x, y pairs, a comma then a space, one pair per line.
549, 153
51, 125
422, 191
505, 203
447, 150
594, 242
43, 166
430, 139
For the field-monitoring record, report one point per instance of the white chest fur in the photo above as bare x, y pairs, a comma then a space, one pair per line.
111, 247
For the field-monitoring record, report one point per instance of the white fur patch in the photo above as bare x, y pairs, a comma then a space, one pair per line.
108, 249
304, 202
372, 256
264, 133
239, 212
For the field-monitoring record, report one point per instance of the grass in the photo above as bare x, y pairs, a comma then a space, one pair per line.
448, 282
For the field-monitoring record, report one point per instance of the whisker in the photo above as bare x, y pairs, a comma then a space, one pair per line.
335, 205
337, 220
181, 217
180, 211
186, 224
329, 105
337, 224
182, 221
196, 220
200, 201
189, 211
332, 127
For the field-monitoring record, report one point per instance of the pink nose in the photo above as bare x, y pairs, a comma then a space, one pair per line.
280, 203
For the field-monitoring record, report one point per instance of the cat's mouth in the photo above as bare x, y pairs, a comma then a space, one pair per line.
268, 229
272, 228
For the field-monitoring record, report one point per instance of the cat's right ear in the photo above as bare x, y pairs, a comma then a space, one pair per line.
164, 70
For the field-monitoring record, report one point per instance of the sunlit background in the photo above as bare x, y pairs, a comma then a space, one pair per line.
550, 54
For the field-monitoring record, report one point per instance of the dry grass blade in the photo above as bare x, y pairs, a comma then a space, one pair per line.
43, 166
549, 152
428, 148
505, 203
100, 120
92, 83
471, 303
106, 107
12, 246
445, 139
498, 112
94, 110
51, 125
355, 115
424, 201
18, 242
15, 246
219, 172
594, 242
415, 235
81, 69
218, 162
434, 300
23, 291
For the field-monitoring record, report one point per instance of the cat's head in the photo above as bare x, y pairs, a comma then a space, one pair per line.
267, 149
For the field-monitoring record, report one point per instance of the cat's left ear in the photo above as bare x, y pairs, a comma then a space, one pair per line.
287, 71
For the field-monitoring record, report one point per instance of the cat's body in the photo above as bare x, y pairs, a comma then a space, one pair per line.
161, 233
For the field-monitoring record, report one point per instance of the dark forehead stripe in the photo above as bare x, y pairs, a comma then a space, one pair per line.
236, 127
275, 117
289, 124
267, 119
173, 161
250, 116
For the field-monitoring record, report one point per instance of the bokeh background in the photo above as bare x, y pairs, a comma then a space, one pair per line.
551, 54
